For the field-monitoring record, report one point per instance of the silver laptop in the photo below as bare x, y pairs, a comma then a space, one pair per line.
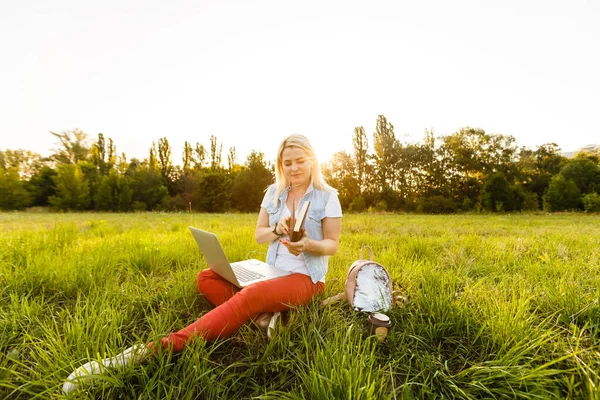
241, 273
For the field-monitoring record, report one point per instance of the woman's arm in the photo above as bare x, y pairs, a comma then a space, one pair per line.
264, 233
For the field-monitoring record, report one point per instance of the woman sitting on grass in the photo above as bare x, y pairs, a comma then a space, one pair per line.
297, 179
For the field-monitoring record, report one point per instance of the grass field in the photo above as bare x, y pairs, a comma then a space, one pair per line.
502, 306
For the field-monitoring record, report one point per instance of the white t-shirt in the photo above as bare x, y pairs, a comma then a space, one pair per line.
295, 264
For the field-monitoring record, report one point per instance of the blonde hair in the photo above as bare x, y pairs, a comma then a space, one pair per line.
316, 177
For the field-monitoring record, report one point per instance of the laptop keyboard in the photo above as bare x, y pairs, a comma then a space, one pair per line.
245, 275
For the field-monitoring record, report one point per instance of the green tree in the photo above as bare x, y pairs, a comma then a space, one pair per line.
385, 146
41, 186
499, 154
562, 194
231, 159
152, 160
469, 156
432, 181
536, 168
148, 186
114, 193
13, 195
499, 195
340, 172
591, 202
216, 151
103, 154
250, 184
409, 172
187, 192
21, 170
200, 156
165, 161
548, 158
593, 155
187, 157
584, 172
214, 192
26, 162
360, 144
74, 148
72, 189
531, 201
92, 176
464, 149
122, 163
436, 204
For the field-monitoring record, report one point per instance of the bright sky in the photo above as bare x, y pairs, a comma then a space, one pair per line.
251, 72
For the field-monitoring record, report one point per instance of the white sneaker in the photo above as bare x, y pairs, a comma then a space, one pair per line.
272, 323
87, 371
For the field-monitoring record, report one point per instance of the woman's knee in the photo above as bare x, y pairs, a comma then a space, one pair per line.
203, 280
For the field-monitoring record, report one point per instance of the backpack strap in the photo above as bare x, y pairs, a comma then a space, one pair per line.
333, 299
370, 253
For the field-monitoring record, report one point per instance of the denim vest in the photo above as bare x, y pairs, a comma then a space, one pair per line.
316, 265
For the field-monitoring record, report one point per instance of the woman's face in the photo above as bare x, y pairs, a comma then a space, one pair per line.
297, 166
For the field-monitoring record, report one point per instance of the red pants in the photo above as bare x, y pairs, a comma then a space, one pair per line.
234, 307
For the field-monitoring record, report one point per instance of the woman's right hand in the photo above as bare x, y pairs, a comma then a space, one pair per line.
283, 227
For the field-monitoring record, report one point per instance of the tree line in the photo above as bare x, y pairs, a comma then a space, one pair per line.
468, 170
90, 175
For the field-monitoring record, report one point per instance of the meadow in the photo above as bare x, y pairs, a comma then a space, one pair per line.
499, 306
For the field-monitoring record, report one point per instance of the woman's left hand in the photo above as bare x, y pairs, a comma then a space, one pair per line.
297, 248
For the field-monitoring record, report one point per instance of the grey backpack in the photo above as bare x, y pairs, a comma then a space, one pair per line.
368, 286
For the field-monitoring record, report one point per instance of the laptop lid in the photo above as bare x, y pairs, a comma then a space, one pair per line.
214, 254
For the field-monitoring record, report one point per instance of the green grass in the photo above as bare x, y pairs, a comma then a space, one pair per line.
500, 307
